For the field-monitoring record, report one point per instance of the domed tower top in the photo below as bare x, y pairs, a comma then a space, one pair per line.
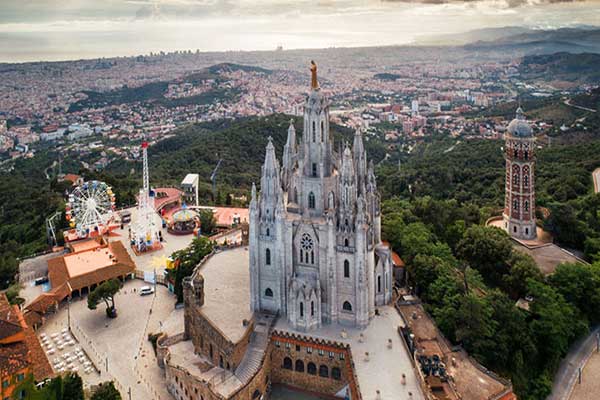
519, 127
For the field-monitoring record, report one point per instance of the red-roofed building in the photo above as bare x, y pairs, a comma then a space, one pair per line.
21, 354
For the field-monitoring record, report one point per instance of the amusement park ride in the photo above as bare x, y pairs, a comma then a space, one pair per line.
145, 233
89, 211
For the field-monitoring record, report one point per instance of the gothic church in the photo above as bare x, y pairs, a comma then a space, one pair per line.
315, 229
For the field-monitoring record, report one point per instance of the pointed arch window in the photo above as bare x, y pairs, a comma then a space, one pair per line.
526, 181
301, 309
379, 283
346, 268
312, 257
322, 132
346, 244
268, 256
312, 308
314, 170
268, 292
268, 232
526, 205
516, 179
311, 200
516, 205
347, 306
314, 131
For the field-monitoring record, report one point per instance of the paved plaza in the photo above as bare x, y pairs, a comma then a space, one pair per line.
119, 347
155, 259
589, 389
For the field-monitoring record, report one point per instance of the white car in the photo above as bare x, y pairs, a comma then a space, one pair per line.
145, 290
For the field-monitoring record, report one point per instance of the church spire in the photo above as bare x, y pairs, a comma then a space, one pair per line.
360, 159
289, 156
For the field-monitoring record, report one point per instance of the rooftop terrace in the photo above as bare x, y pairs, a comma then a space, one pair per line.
227, 292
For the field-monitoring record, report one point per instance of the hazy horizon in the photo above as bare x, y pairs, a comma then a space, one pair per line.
41, 30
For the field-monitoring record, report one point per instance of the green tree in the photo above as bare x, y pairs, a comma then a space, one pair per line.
188, 259
208, 222
522, 267
579, 284
105, 292
486, 249
475, 327
106, 391
72, 387
555, 323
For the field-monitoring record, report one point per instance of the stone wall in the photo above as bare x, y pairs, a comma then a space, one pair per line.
210, 342
311, 364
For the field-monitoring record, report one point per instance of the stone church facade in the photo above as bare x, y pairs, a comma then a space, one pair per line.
315, 229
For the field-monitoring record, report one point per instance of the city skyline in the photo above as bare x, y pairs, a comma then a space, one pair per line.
39, 30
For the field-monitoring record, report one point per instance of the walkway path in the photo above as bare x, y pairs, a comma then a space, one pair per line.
568, 103
566, 375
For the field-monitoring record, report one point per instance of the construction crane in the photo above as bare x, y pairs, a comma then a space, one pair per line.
213, 179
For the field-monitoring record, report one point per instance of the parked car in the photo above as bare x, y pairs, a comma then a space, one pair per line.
145, 290
41, 281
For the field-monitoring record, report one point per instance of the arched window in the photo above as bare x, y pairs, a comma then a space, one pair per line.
314, 131
525, 181
379, 283
268, 232
311, 368
299, 366
346, 268
346, 240
526, 155
516, 179
526, 205
312, 257
322, 132
312, 308
347, 306
311, 200
221, 361
516, 152
516, 205
301, 256
301, 309
268, 292
287, 363
336, 373
324, 371
314, 170
268, 256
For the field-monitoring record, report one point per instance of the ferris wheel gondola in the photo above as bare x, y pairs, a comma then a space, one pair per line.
90, 207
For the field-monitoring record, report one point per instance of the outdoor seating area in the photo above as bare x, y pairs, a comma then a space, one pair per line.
60, 348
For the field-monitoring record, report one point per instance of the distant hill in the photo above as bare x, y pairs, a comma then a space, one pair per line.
572, 40
476, 35
577, 68
154, 92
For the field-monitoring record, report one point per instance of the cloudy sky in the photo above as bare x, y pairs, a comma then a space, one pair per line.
67, 29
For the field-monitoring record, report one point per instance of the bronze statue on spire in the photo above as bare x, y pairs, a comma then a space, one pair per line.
313, 70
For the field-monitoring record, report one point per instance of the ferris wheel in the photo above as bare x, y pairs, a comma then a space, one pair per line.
90, 207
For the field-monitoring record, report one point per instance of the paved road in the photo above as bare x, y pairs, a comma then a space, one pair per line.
566, 375
568, 103
596, 178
